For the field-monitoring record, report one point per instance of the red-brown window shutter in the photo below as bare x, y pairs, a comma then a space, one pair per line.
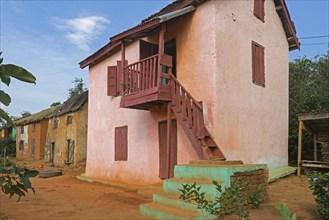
112, 81
120, 76
259, 10
121, 144
258, 64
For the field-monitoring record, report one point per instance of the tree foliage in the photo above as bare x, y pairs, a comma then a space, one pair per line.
79, 87
55, 104
14, 180
8, 71
308, 93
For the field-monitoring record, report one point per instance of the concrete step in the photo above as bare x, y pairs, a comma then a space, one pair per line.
172, 199
161, 211
217, 162
174, 184
218, 172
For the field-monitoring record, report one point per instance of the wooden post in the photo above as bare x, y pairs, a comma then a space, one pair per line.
161, 50
315, 143
300, 134
168, 136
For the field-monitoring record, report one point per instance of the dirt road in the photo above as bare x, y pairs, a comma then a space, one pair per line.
65, 197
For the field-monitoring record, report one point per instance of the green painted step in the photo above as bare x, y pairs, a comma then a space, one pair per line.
214, 171
172, 199
160, 211
217, 162
174, 184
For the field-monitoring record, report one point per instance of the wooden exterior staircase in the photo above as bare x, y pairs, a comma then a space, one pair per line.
150, 82
189, 114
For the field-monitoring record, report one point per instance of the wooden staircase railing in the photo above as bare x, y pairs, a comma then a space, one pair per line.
189, 114
141, 75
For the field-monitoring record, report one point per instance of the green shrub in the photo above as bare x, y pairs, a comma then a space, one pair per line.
7, 147
285, 212
319, 183
231, 201
15, 180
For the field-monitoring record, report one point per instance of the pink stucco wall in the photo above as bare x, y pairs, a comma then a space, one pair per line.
249, 122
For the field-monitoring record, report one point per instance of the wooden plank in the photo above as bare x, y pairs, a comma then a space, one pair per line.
161, 49
184, 106
189, 113
168, 135
300, 133
147, 81
141, 93
112, 81
200, 124
166, 60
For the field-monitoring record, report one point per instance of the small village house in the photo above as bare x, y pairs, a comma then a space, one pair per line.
198, 80
31, 135
67, 132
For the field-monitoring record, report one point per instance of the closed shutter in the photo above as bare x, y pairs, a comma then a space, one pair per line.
112, 81
258, 65
121, 143
120, 77
259, 9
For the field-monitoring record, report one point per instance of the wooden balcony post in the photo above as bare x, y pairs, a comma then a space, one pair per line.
300, 134
161, 50
168, 137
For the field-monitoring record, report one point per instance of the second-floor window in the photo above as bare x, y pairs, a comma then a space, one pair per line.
56, 121
258, 64
69, 119
259, 10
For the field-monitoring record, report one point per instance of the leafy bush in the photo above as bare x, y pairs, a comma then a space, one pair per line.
15, 180
233, 201
285, 212
7, 147
319, 183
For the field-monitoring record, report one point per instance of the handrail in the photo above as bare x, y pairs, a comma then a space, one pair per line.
185, 90
190, 109
140, 61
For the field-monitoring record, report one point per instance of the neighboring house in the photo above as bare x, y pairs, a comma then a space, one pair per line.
148, 81
8, 132
67, 132
31, 135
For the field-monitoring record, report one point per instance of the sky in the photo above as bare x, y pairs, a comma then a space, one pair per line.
50, 38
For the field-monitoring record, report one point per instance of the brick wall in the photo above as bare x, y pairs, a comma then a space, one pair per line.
253, 179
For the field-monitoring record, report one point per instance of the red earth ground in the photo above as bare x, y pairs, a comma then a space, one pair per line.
65, 197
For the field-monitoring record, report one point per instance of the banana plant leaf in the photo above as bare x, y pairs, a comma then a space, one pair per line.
5, 78
5, 116
17, 72
4, 98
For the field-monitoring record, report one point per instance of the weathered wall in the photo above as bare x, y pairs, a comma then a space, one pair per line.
22, 136
77, 132
214, 64
39, 135
251, 121
81, 119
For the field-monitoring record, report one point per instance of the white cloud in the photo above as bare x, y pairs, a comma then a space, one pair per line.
81, 31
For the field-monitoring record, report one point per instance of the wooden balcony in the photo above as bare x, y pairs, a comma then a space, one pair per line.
143, 86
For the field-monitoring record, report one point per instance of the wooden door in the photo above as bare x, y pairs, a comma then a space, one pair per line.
167, 157
52, 152
33, 148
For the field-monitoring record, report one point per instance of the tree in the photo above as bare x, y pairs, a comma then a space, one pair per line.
79, 87
308, 93
25, 113
8, 71
55, 104
14, 180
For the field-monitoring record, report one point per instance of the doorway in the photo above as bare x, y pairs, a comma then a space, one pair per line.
170, 49
33, 148
70, 151
52, 152
167, 161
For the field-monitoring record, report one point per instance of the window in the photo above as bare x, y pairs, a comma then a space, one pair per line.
258, 66
259, 11
69, 119
55, 123
22, 129
112, 89
21, 145
33, 128
121, 143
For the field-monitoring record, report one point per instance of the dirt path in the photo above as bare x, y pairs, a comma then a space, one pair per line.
66, 197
